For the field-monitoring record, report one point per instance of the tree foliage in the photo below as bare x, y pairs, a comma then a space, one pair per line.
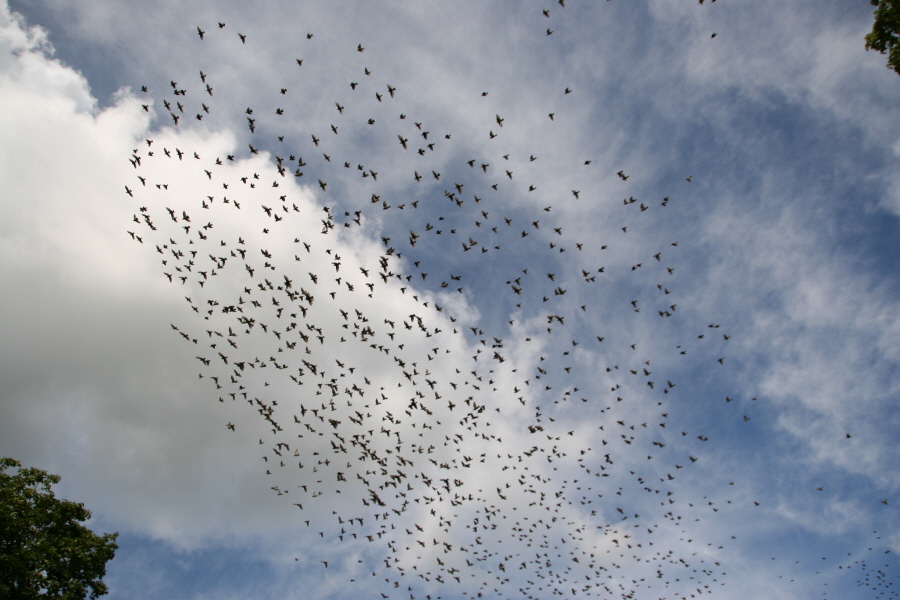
45, 551
886, 32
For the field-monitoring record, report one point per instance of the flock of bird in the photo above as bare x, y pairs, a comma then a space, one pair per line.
426, 456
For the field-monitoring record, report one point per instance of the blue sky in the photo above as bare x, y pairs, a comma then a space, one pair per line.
752, 281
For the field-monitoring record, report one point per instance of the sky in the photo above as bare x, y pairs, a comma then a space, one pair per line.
455, 300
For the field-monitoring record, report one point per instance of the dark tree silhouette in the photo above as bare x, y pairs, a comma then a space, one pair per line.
884, 36
45, 551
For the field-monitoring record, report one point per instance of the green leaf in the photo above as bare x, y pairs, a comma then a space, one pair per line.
45, 551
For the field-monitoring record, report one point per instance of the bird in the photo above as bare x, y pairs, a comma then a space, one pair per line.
406, 387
